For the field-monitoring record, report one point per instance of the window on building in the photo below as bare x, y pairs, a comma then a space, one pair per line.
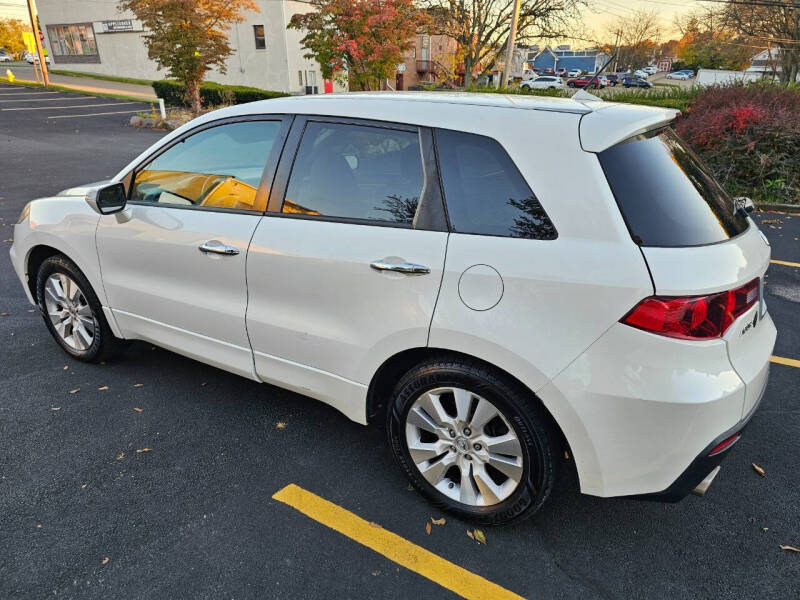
219, 167
356, 172
72, 40
261, 40
300, 77
485, 192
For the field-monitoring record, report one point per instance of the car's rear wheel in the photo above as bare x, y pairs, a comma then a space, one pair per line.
473, 441
72, 311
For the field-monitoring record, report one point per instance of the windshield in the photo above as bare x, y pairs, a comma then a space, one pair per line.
666, 195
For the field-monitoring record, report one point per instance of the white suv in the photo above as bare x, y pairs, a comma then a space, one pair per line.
414, 260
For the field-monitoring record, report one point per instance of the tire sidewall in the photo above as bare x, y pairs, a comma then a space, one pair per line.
536, 447
59, 264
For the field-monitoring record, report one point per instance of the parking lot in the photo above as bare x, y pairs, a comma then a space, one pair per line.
154, 476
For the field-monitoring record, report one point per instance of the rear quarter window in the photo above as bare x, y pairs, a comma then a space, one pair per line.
666, 195
485, 192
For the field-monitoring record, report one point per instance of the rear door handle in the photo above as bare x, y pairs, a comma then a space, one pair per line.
409, 268
217, 247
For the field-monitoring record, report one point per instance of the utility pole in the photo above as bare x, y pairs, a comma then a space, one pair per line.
616, 59
38, 41
512, 36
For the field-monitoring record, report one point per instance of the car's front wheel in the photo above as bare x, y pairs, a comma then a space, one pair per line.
72, 311
473, 441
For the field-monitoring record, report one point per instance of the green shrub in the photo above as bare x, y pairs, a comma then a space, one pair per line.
212, 93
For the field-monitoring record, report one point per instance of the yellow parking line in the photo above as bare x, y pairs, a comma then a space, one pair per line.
392, 546
785, 263
789, 362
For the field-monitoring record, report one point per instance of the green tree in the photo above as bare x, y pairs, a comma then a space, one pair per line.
11, 35
363, 40
189, 37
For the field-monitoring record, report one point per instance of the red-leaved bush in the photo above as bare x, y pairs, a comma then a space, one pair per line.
749, 135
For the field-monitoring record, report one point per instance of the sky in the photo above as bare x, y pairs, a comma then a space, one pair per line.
14, 9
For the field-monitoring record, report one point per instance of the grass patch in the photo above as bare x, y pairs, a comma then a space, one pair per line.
62, 88
130, 80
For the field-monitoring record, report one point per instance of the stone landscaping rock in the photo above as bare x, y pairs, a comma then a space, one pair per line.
136, 121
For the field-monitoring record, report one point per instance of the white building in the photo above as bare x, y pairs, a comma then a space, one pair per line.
93, 36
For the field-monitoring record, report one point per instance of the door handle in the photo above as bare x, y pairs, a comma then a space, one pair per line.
408, 268
215, 247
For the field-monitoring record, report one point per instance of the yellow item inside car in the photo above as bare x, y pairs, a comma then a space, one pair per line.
198, 189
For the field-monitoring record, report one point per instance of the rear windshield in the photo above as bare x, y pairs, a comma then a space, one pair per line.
666, 195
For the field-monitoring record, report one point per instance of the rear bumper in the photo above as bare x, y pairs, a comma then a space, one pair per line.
641, 412
702, 466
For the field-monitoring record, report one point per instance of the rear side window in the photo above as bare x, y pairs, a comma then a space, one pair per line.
356, 172
485, 192
666, 195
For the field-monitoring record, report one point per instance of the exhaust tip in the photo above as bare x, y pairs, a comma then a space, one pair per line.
703, 486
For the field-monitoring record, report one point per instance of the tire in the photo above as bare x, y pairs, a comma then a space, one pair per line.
78, 325
571, 85
529, 461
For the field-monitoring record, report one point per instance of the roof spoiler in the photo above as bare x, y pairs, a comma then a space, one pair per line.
610, 124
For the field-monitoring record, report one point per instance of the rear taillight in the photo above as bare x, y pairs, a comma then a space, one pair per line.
693, 317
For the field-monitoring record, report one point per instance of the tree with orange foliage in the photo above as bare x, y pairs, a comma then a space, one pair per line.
189, 37
360, 39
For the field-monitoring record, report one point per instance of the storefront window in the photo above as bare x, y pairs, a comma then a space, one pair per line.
72, 40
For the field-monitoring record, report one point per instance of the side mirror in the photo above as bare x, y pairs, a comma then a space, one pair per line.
743, 205
107, 199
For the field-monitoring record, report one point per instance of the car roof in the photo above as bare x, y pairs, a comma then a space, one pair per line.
602, 124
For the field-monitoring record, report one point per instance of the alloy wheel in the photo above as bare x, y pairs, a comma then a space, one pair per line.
69, 312
463, 446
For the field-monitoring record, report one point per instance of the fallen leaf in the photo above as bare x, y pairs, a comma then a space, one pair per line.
121, 456
83, 487
66, 367
103, 388
105, 560
138, 384
3, 314
203, 384
280, 425
759, 470
441, 521
765, 529
75, 391
469, 533
428, 527
566, 455
479, 537
38, 526
374, 524
141, 450
55, 408
790, 548
137, 409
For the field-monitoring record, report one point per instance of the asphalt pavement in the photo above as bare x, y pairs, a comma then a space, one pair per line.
153, 476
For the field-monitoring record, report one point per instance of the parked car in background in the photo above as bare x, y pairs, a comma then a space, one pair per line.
487, 324
636, 82
548, 71
613, 79
34, 59
562, 72
543, 82
5, 57
679, 75
583, 81
574, 73
651, 70
641, 73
